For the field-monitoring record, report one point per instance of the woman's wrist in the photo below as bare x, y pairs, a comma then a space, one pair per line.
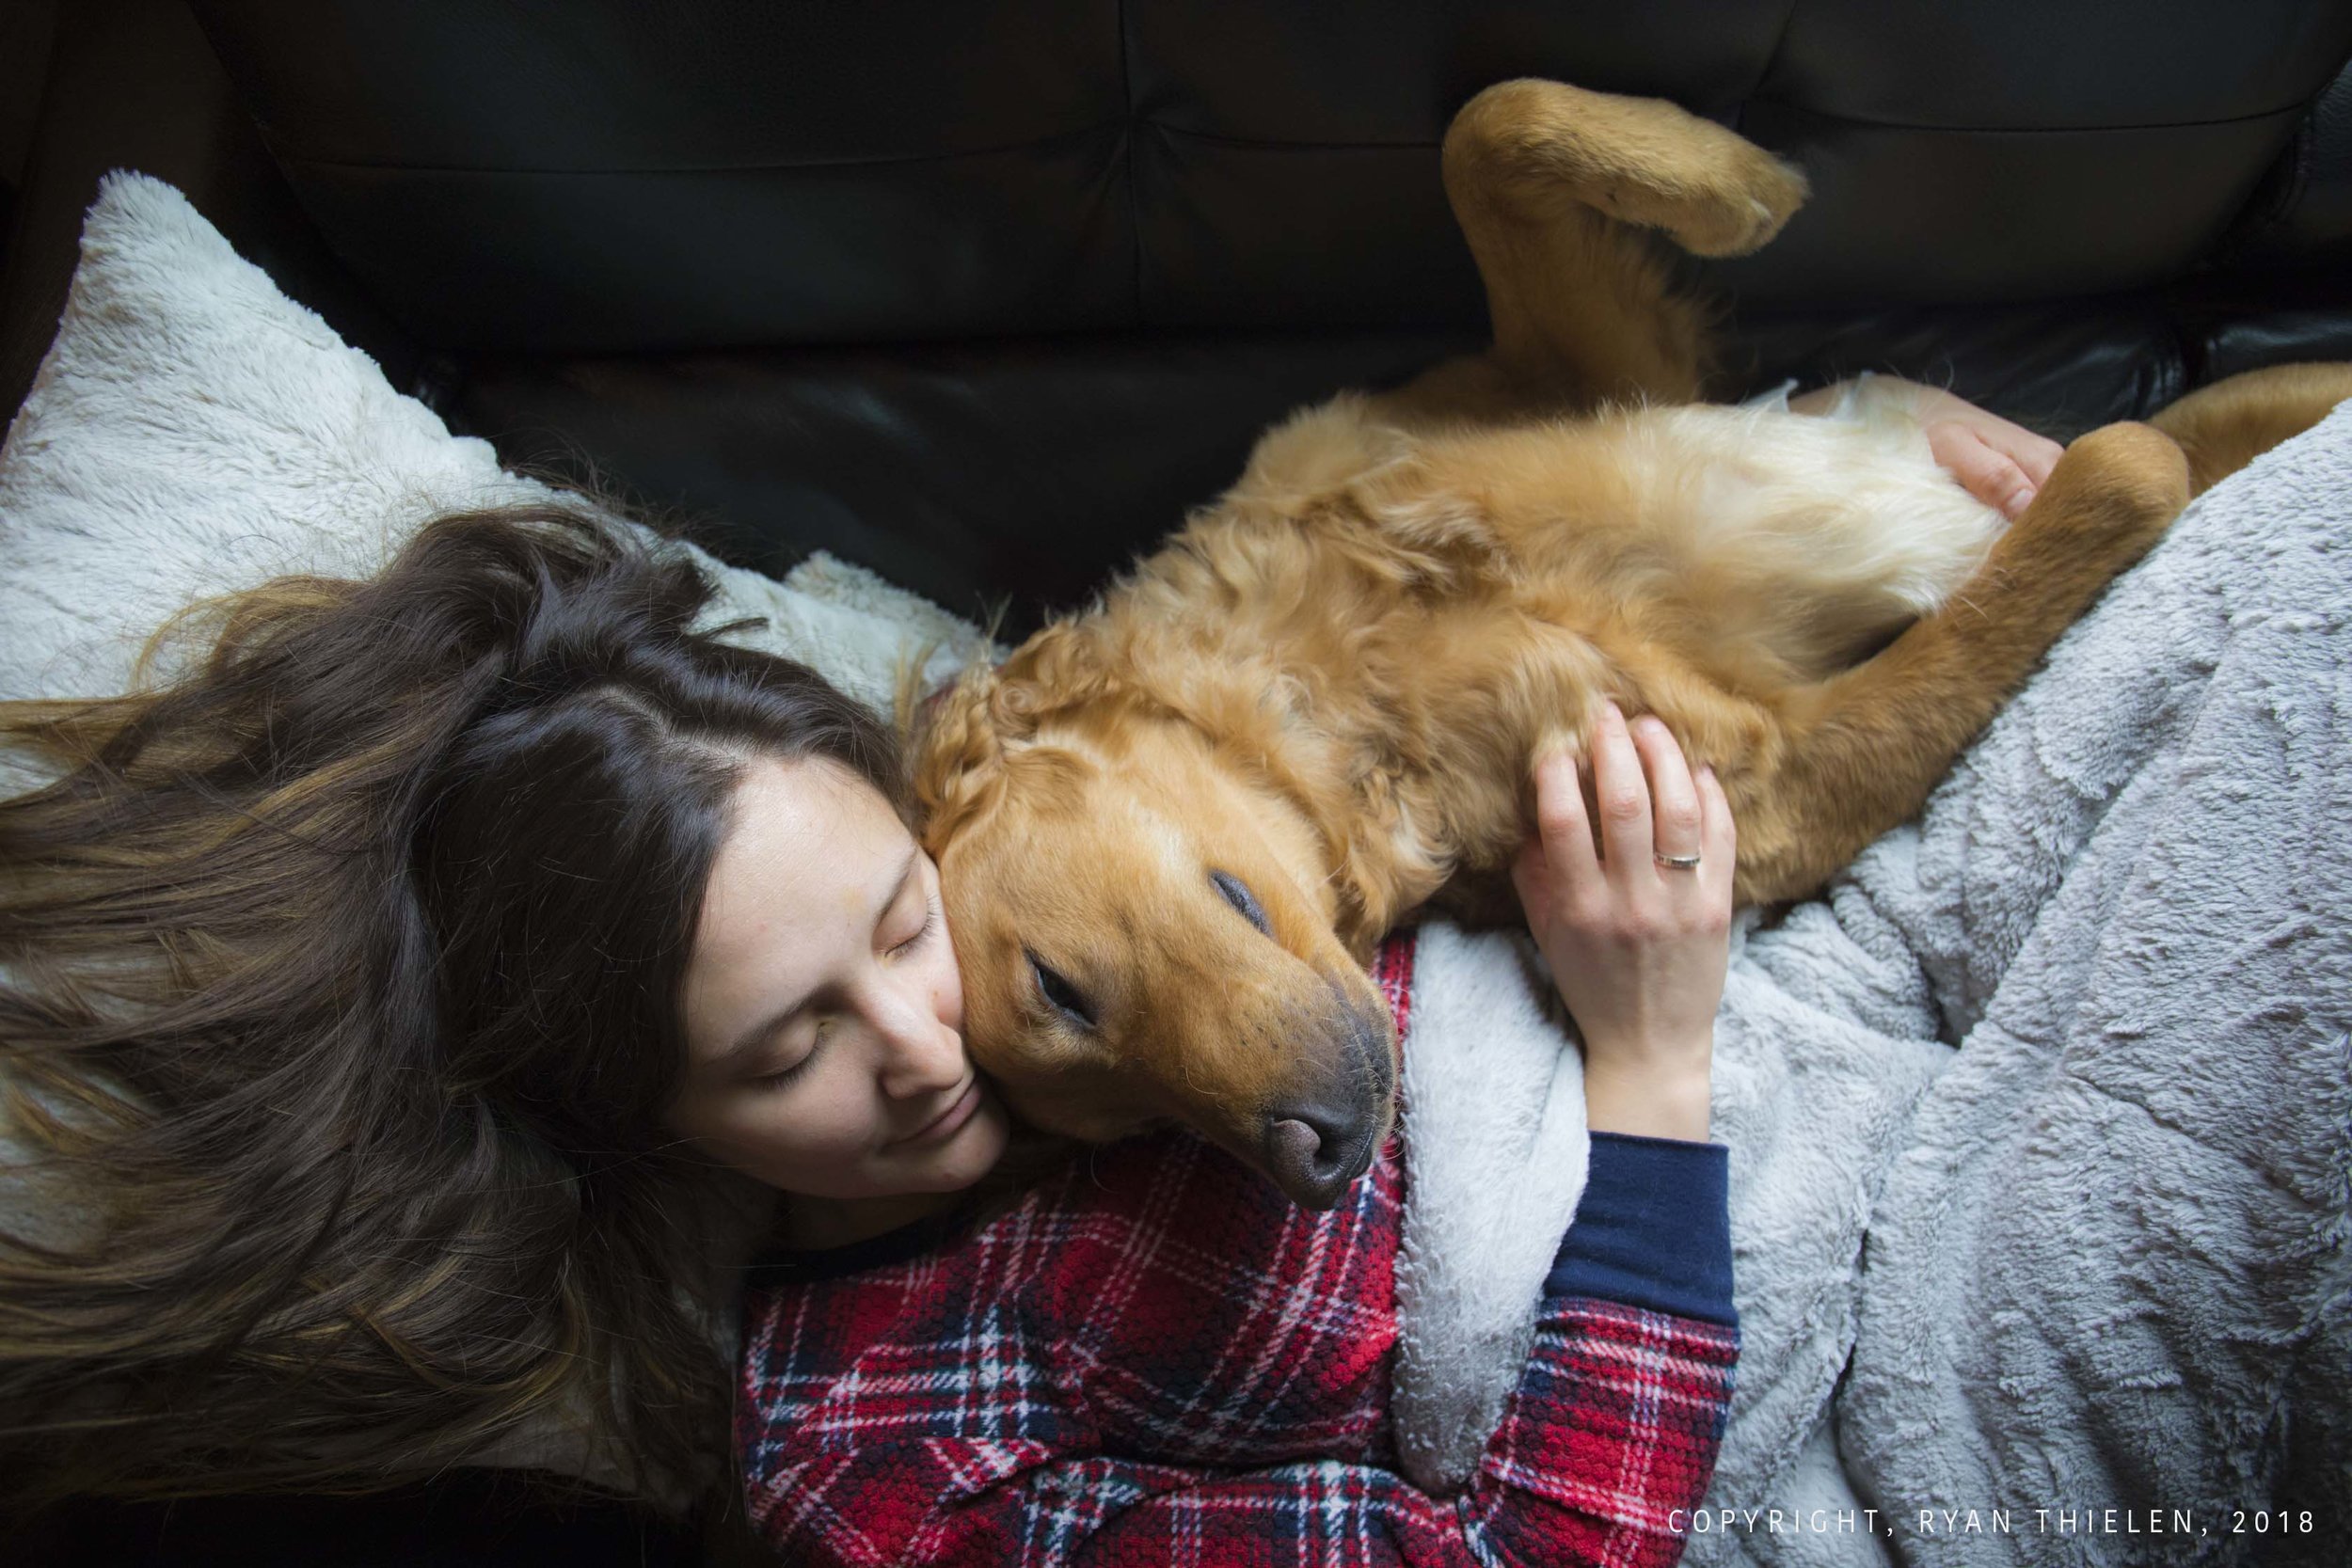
1651, 1103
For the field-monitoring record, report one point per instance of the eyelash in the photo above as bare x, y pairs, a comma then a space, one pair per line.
777, 1080
931, 919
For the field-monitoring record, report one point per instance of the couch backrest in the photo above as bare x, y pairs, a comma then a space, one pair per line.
591, 176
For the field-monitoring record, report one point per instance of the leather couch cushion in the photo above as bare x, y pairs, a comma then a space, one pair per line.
596, 176
1021, 471
2302, 219
1025, 471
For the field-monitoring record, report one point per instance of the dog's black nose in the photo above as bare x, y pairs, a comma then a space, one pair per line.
1315, 1155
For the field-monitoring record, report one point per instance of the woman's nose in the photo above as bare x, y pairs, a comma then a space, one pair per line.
921, 1056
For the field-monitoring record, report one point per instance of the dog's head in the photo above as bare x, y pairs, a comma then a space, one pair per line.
1144, 919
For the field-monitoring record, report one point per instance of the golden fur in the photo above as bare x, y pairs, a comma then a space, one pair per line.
1329, 687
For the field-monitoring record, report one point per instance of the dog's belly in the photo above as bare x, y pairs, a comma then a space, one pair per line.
1804, 539
1450, 600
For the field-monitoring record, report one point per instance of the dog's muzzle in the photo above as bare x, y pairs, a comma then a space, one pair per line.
1318, 1143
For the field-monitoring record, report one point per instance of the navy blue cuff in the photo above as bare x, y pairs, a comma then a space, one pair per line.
1653, 1229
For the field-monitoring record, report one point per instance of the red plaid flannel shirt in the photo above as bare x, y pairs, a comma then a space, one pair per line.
1157, 1359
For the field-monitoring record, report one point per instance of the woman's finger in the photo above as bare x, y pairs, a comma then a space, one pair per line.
1983, 471
1622, 793
1674, 803
2037, 454
1563, 830
1720, 833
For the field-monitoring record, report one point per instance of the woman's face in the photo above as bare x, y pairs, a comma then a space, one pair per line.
823, 1012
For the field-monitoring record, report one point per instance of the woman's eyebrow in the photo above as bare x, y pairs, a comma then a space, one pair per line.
760, 1034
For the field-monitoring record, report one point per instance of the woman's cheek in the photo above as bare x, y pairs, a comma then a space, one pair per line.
947, 980
947, 995
817, 1129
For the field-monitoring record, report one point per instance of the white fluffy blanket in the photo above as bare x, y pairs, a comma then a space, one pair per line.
2038, 1121
193, 431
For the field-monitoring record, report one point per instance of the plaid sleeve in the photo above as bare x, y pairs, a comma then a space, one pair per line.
1607, 1446
1610, 1440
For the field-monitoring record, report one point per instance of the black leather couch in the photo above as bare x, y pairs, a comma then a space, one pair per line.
986, 296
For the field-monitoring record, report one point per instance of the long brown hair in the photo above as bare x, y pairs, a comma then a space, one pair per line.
339, 984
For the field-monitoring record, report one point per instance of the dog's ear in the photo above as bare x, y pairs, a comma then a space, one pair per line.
1059, 668
961, 740
958, 756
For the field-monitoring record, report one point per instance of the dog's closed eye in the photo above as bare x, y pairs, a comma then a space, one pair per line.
1239, 895
1060, 994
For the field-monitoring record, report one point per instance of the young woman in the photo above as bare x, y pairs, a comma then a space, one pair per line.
386, 992
386, 1000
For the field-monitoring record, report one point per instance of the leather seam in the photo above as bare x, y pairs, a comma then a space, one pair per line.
1764, 72
883, 160
1127, 157
1836, 118
1272, 145
1125, 128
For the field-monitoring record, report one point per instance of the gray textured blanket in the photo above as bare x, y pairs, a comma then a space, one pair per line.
2106, 1263
2106, 1266
2039, 1122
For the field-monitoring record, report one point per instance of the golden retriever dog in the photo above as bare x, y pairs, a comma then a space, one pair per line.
1171, 829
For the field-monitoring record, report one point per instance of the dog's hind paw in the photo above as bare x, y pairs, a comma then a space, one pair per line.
1748, 204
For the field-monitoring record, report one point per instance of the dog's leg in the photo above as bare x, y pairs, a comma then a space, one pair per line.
1554, 188
1858, 753
2227, 425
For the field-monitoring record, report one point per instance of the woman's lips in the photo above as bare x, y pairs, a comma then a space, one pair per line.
948, 1122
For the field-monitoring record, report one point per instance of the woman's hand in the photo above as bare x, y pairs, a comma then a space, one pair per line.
2002, 464
1638, 947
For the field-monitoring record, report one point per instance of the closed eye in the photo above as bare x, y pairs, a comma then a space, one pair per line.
1239, 895
931, 923
1063, 997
